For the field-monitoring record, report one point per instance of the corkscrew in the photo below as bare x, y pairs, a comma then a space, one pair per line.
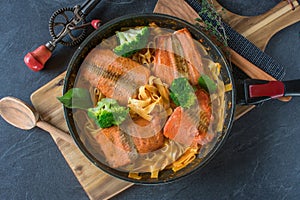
68, 27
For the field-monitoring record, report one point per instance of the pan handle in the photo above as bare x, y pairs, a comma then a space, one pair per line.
255, 91
292, 88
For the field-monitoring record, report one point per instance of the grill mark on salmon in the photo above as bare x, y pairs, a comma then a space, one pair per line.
165, 62
205, 113
120, 147
191, 54
116, 77
151, 143
190, 126
116, 147
180, 127
93, 68
177, 56
201, 113
181, 63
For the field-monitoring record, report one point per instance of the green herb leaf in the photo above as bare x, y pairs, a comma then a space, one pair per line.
207, 83
76, 98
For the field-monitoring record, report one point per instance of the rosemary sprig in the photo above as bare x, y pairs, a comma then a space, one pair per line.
211, 22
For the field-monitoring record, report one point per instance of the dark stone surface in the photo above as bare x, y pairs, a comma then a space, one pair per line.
258, 161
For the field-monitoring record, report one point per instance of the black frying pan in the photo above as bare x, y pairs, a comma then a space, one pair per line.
169, 22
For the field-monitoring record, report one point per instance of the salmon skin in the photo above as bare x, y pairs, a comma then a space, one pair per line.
177, 56
116, 77
190, 126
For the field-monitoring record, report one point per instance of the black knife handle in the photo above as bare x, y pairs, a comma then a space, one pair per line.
88, 6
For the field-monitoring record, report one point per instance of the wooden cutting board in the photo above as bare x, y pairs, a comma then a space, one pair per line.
99, 185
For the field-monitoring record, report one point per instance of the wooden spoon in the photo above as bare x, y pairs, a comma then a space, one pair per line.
21, 115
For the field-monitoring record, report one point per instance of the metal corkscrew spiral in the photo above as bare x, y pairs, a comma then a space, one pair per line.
54, 24
68, 27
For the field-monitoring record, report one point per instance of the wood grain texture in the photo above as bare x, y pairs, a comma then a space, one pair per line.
11, 107
261, 28
96, 183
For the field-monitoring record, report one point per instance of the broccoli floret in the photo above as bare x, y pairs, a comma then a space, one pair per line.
182, 93
108, 113
207, 83
131, 41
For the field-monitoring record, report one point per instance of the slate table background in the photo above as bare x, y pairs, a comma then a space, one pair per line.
260, 159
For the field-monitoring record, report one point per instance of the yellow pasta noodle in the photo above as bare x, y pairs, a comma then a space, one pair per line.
185, 159
134, 175
154, 174
228, 87
151, 96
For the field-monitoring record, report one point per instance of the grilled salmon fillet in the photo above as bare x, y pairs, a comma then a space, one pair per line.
177, 56
116, 77
120, 145
115, 146
180, 127
146, 136
165, 63
191, 54
190, 126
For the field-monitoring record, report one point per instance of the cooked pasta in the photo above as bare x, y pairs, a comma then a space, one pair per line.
150, 96
147, 57
156, 161
134, 175
218, 98
185, 159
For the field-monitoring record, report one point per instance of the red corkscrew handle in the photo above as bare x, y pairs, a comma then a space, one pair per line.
36, 60
96, 23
